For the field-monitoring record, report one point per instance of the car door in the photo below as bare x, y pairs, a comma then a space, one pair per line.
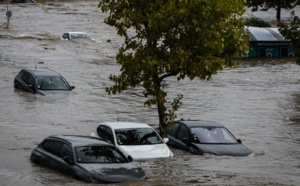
171, 135
56, 150
60, 164
24, 79
50, 151
27, 83
182, 133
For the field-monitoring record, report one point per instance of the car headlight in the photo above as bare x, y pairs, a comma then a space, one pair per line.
252, 154
208, 154
171, 154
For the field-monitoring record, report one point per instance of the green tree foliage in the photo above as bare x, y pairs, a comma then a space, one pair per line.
276, 4
291, 31
181, 39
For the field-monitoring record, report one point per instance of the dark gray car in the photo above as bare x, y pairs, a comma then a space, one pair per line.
86, 158
41, 81
205, 137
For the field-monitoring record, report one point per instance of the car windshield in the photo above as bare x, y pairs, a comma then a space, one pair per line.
52, 83
99, 154
137, 136
212, 135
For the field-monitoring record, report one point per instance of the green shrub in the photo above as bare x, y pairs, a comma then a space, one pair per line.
254, 21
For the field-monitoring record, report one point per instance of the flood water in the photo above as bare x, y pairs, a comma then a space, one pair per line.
259, 101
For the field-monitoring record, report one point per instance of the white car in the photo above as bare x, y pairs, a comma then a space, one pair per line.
75, 35
139, 140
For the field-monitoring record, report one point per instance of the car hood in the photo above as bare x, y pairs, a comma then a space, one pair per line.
49, 92
224, 149
146, 151
114, 173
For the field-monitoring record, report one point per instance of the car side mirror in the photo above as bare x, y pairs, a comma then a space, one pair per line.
93, 134
68, 159
186, 141
72, 87
30, 86
239, 141
130, 158
166, 140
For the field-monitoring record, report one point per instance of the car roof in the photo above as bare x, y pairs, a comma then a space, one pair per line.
125, 125
41, 72
77, 140
199, 123
76, 32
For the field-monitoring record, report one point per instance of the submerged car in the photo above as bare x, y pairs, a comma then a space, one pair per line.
21, 1
41, 81
88, 159
75, 35
205, 138
138, 140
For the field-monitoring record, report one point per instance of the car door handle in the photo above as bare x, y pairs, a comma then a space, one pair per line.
43, 157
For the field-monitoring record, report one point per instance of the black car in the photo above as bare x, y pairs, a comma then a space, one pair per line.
41, 81
86, 158
205, 138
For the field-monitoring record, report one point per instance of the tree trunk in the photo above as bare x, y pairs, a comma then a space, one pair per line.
278, 12
161, 115
161, 111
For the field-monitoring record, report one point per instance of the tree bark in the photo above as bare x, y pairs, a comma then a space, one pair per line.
278, 9
161, 113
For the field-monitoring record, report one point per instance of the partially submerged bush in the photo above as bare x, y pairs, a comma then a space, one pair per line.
254, 21
291, 31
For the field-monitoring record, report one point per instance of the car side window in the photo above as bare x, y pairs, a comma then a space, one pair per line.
172, 130
110, 135
31, 80
105, 133
182, 132
53, 146
66, 151
21, 74
26, 77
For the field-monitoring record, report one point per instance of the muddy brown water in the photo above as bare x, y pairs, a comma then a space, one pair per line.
258, 101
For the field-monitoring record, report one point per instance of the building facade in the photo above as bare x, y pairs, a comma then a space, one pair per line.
267, 42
